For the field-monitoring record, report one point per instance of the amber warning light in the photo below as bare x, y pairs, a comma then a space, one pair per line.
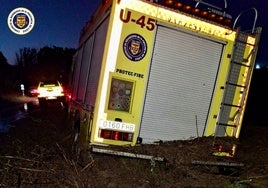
211, 13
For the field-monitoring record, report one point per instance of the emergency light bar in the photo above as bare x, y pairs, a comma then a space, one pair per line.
212, 13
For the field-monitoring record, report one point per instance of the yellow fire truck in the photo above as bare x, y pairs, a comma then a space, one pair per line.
157, 71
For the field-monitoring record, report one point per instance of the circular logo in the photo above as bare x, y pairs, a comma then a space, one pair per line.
20, 21
135, 47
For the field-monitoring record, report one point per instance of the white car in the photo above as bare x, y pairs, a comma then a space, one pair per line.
50, 90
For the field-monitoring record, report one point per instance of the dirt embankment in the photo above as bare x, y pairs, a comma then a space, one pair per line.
37, 152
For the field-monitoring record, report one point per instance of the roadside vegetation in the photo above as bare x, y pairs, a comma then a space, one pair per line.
38, 152
32, 65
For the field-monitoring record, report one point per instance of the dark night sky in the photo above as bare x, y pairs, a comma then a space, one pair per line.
246, 21
58, 22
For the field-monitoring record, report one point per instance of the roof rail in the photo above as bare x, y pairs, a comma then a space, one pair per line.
213, 6
255, 19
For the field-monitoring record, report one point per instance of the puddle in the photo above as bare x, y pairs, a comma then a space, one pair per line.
5, 121
4, 127
13, 114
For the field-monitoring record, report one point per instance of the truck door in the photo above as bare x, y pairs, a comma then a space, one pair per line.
180, 87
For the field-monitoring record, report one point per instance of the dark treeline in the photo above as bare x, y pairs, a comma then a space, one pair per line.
33, 65
256, 110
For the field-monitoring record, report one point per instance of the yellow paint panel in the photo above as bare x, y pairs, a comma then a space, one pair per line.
219, 91
128, 58
132, 64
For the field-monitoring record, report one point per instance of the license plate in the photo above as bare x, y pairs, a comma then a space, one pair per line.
117, 126
51, 97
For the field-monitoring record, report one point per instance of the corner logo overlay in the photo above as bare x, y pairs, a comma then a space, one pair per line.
20, 21
135, 47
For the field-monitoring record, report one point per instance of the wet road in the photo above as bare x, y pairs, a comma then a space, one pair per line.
10, 111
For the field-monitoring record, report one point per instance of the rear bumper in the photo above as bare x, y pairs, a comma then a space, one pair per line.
48, 98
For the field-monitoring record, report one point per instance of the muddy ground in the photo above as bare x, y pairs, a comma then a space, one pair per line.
37, 152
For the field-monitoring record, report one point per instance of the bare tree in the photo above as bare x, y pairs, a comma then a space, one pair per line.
3, 60
26, 57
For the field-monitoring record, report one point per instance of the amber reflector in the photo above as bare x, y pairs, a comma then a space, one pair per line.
196, 11
169, 2
178, 5
187, 8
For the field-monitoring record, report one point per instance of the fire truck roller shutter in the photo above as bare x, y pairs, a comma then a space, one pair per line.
182, 78
77, 67
95, 63
86, 61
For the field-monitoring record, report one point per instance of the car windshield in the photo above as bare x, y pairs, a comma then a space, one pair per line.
44, 83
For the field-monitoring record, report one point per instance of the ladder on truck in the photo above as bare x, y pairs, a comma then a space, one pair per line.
237, 82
